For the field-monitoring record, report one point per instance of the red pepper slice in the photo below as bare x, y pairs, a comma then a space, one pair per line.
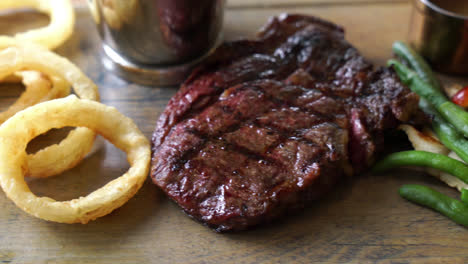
461, 97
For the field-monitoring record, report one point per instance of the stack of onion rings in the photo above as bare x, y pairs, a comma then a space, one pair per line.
79, 142
70, 151
46, 76
60, 28
17, 131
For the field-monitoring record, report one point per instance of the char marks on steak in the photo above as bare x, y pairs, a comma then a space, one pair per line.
266, 125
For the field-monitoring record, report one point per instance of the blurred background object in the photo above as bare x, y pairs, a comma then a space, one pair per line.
439, 31
156, 42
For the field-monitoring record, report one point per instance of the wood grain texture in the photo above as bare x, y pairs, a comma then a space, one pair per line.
362, 221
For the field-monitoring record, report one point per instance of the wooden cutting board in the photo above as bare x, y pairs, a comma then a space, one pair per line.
362, 221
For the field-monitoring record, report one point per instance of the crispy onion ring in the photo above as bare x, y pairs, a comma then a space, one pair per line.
60, 28
39, 88
17, 131
58, 157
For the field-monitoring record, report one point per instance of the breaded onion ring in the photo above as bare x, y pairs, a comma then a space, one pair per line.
39, 88
17, 131
58, 157
60, 28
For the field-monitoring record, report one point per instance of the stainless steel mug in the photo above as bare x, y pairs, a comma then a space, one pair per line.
440, 36
156, 41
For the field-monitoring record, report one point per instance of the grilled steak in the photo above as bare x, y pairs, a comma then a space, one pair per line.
266, 125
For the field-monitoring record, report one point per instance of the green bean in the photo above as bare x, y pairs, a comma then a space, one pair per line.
425, 84
425, 159
446, 133
464, 195
419, 65
417, 85
452, 208
456, 115
450, 137
451, 112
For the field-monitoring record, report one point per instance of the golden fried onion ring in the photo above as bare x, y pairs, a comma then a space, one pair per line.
60, 28
39, 88
17, 131
58, 157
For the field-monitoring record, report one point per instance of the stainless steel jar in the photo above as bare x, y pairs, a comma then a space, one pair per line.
440, 36
156, 41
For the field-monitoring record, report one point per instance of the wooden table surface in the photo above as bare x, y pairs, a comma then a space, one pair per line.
363, 221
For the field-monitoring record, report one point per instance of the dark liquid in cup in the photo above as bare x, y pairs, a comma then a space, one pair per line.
189, 27
455, 6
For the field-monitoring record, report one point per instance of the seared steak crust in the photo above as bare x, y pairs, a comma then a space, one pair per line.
266, 125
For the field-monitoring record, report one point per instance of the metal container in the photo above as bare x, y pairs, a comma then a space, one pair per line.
440, 36
156, 41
